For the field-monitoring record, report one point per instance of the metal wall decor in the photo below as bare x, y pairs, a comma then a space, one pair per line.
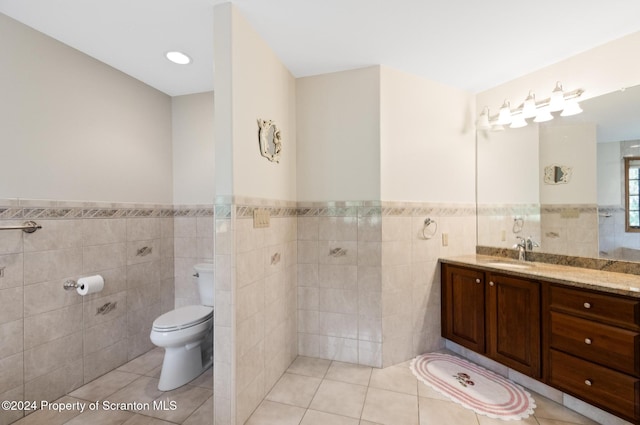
270, 140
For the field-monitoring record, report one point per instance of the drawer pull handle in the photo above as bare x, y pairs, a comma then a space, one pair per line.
588, 382
491, 283
587, 341
587, 305
477, 280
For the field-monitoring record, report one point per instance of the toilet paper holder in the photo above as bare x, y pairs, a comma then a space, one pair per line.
70, 285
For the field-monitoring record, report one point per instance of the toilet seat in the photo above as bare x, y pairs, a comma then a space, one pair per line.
182, 318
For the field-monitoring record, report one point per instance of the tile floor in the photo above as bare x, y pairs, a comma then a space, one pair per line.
134, 382
311, 392
322, 392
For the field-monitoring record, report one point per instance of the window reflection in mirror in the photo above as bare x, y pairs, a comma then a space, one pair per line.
632, 198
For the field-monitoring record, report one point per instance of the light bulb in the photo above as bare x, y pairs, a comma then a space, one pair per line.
543, 115
571, 107
556, 103
483, 120
178, 57
518, 121
504, 117
529, 106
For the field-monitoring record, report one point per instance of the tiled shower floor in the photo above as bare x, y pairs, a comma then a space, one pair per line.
136, 381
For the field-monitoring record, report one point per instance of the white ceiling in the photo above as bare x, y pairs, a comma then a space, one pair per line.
470, 44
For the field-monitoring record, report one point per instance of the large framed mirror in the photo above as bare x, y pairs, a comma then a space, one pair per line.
587, 214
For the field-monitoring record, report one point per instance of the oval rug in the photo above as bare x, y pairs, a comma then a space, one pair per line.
473, 386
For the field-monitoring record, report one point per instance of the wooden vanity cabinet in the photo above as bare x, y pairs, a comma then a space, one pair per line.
592, 347
493, 314
583, 342
513, 323
462, 308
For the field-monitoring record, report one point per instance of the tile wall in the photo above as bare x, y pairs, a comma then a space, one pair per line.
368, 280
223, 335
559, 229
499, 224
411, 275
570, 229
256, 291
53, 340
193, 244
339, 282
615, 242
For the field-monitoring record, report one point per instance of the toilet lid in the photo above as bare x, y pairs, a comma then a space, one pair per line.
183, 317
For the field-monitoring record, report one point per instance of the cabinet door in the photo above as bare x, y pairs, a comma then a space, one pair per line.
513, 323
463, 306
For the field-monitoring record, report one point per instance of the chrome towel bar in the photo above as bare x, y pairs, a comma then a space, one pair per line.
27, 227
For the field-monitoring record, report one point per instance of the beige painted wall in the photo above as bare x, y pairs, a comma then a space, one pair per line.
610, 174
427, 140
339, 136
559, 145
261, 88
515, 178
598, 71
378, 133
74, 128
193, 145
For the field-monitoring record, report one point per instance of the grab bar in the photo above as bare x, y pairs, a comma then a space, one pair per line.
27, 227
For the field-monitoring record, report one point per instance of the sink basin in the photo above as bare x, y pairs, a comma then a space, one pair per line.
516, 266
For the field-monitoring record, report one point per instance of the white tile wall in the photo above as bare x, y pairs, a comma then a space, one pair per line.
411, 278
53, 340
378, 304
339, 293
266, 298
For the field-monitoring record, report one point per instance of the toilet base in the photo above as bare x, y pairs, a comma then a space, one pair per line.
181, 365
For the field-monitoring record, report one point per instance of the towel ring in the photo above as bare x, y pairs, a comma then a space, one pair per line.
427, 223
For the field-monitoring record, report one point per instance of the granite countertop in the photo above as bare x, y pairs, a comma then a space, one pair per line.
611, 282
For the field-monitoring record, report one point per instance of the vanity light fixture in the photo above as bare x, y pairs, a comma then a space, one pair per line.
178, 57
540, 111
529, 106
483, 120
556, 102
518, 121
544, 115
571, 107
504, 117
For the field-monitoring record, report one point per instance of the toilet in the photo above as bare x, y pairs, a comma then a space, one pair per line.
186, 335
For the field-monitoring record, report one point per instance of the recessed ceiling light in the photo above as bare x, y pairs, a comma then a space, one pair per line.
178, 57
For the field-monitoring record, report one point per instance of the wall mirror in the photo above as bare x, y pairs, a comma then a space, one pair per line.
270, 140
585, 216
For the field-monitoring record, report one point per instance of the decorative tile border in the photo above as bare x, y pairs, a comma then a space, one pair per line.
354, 209
48, 210
222, 211
558, 208
611, 209
508, 209
529, 209
246, 211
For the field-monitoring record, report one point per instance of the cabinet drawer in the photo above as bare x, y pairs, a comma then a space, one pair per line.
607, 308
611, 390
607, 345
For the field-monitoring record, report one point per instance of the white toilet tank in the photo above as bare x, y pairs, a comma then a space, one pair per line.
204, 274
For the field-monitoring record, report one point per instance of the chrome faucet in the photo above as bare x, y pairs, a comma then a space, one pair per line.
523, 246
